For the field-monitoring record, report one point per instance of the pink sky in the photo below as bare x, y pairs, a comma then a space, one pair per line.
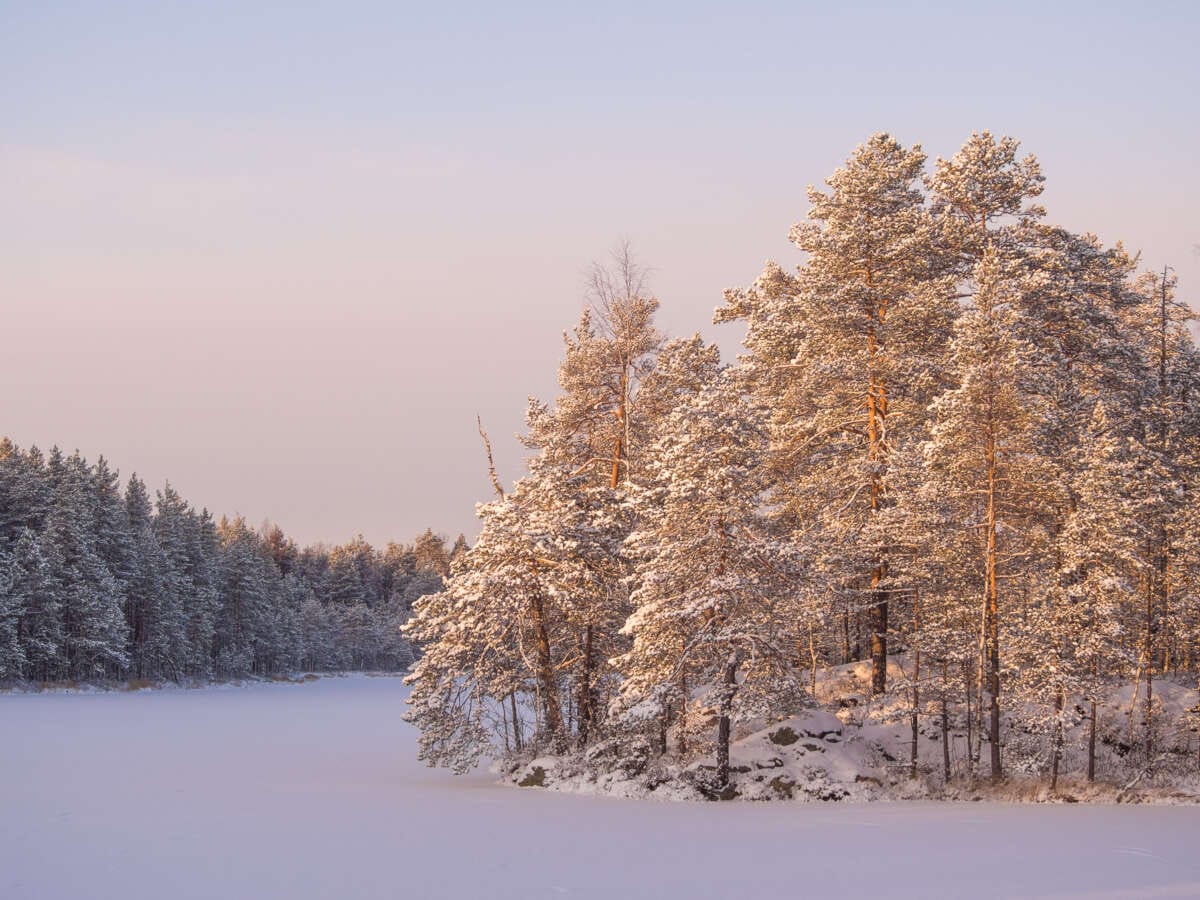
294, 310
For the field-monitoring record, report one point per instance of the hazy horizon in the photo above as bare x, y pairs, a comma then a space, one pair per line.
282, 258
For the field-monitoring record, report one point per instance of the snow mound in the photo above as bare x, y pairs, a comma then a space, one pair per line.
808, 757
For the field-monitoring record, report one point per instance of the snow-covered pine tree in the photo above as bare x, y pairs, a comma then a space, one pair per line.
1106, 558
711, 587
596, 428
491, 639
987, 467
530, 617
1171, 426
851, 349
430, 554
683, 368
980, 198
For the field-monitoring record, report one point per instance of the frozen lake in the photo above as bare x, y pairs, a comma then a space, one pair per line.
313, 791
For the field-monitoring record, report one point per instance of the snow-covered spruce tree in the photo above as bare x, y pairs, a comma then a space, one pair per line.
12, 653
851, 349
93, 624
153, 605
24, 491
188, 541
712, 625
241, 637
75, 552
987, 467
351, 577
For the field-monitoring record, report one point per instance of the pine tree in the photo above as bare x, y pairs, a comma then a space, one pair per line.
710, 584
987, 464
1106, 558
488, 638
855, 343
430, 554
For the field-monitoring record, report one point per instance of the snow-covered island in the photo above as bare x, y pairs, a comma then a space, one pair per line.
933, 533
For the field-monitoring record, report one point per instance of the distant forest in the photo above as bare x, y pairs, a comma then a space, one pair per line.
99, 582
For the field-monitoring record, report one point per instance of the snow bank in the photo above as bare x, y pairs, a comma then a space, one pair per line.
863, 751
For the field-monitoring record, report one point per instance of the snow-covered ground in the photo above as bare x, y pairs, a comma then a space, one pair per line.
313, 791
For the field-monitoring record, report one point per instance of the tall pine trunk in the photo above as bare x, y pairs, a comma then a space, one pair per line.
724, 721
877, 408
681, 743
516, 719
584, 700
916, 686
1057, 749
551, 711
945, 726
993, 618
1091, 768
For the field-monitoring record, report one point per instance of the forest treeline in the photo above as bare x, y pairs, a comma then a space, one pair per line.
958, 437
100, 583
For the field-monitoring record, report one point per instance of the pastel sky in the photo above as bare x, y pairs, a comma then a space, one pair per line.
282, 254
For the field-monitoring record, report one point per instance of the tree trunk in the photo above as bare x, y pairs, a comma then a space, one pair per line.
1091, 772
725, 710
916, 686
877, 409
552, 713
945, 729
993, 616
1148, 653
584, 699
878, 620
1057, 751
972, 732
619, 446
512, 702
812, 661
846, 657
681, 729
